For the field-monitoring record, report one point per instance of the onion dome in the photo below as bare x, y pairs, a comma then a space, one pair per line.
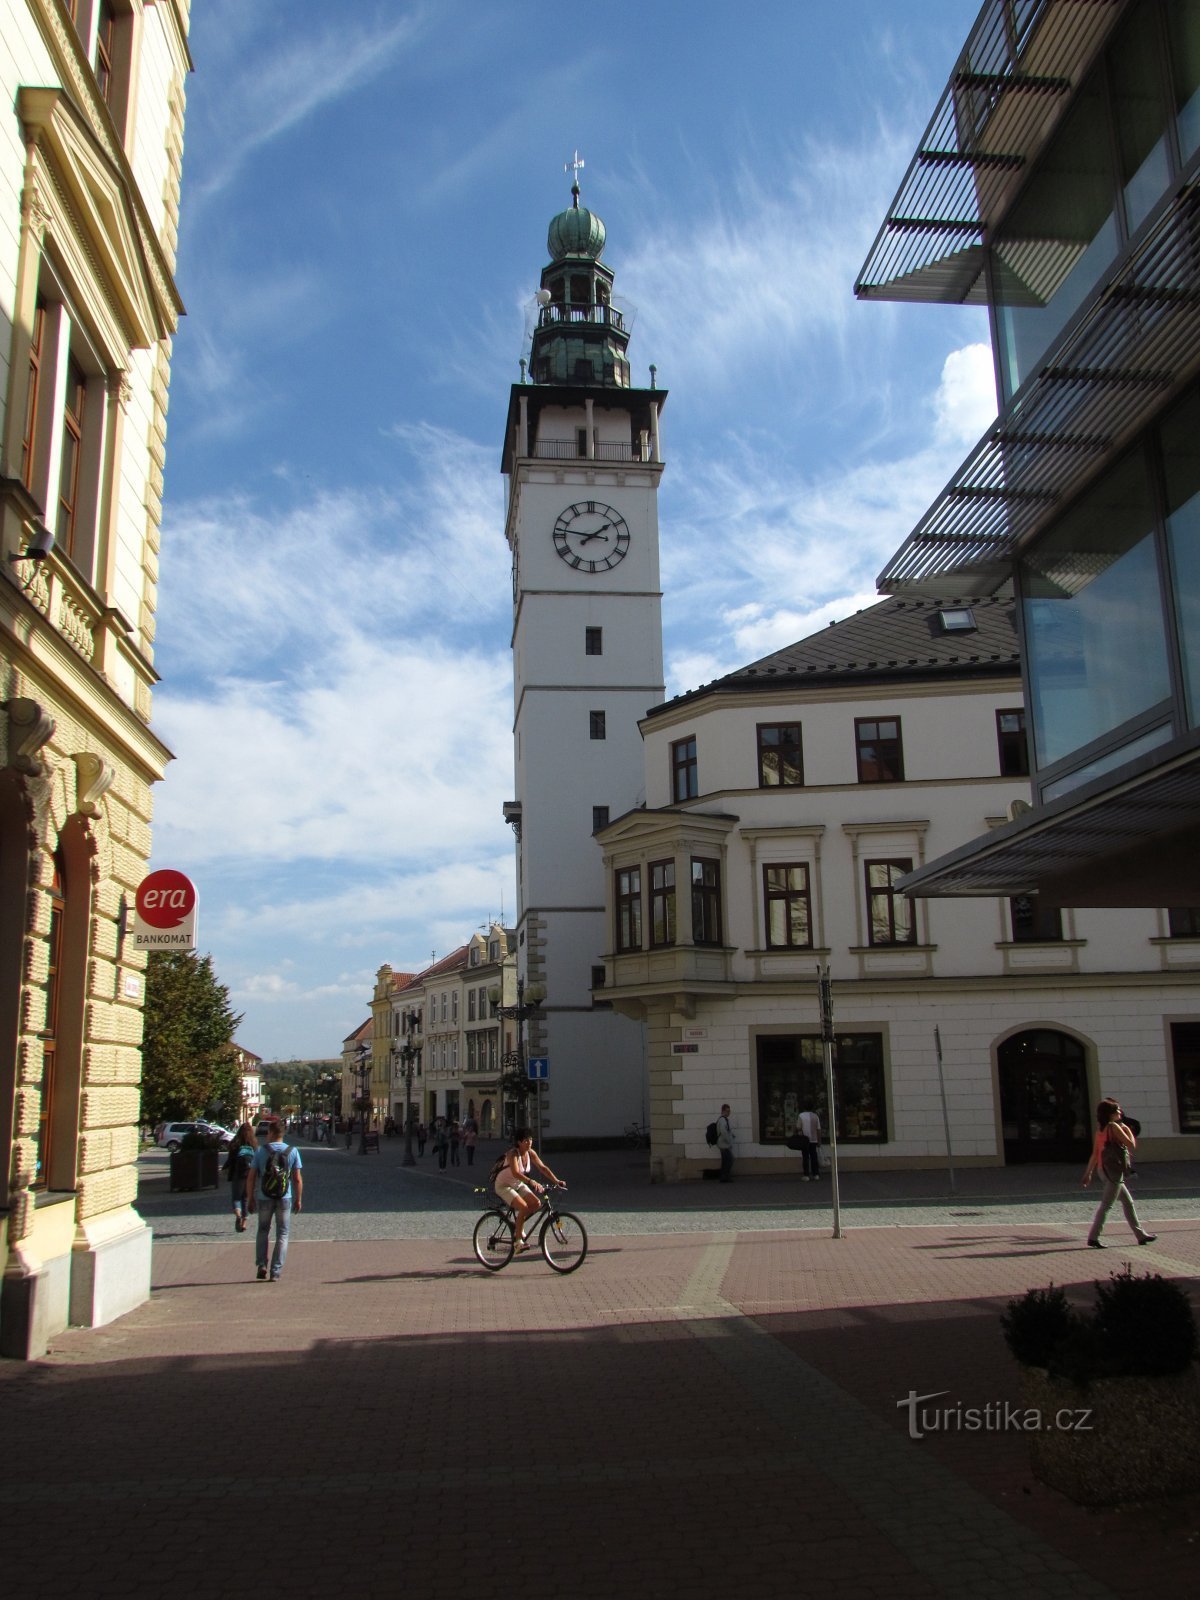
575, 232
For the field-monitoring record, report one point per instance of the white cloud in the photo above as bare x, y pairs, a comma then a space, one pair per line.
965, 403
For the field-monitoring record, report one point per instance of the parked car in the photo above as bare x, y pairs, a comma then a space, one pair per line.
171, 1134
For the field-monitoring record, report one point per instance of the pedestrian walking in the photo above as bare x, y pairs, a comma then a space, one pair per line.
422, 1136
809, 1124
455, 1143
1112, 1147
237, 1169
725, 1145
274, 1188
441, 1142
470, 1139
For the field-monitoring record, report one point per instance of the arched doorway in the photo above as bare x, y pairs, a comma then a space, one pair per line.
1044, 1108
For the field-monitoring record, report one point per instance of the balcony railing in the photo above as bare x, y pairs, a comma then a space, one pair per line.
556, 315
568, 450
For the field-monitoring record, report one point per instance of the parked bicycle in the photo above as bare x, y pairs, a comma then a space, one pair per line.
562, 1238
637, 1136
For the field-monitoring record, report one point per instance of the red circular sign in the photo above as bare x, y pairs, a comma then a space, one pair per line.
165, 898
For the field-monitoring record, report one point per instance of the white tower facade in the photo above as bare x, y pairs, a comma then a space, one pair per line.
583, 460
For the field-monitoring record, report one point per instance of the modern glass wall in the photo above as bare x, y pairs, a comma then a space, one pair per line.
1094, 618
1108, 165
1181, 476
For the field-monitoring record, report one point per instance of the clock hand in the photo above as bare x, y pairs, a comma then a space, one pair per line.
584, 538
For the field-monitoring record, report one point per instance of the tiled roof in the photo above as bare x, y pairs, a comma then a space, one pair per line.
897, 639
363, 1031
456, 958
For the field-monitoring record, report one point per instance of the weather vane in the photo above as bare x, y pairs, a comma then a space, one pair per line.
576, 165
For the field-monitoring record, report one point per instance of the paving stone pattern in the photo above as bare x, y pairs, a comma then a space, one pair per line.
690, 1411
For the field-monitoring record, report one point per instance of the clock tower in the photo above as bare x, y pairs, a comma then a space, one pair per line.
582, 456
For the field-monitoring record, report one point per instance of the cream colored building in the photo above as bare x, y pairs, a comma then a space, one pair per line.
460, 1042
91, 136
784, 804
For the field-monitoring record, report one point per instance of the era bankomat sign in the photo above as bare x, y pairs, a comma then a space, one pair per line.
164, 912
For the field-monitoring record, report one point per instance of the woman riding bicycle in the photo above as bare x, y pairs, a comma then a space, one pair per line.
515, 1186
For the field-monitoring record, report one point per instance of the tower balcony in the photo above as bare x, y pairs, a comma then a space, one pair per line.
556, 315
573, 450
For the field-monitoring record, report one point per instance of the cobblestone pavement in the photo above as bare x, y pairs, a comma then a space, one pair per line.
710, 1404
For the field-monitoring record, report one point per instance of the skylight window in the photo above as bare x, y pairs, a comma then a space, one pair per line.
957, 619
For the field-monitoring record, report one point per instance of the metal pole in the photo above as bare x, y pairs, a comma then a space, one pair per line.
825, 993
937, 1039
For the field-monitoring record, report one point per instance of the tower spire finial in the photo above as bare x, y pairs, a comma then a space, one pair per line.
575, 165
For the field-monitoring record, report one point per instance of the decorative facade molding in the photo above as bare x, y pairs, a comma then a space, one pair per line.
30, 727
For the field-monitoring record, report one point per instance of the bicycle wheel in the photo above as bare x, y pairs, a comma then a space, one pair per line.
563, 1241
493, 1240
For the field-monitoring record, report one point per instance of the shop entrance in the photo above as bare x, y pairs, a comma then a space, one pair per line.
1044, 1108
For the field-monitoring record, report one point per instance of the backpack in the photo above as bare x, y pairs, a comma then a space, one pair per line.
277, 1178
710, 1133
497, 1167
1114, 1160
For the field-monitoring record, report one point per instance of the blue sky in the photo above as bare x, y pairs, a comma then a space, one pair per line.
365, 214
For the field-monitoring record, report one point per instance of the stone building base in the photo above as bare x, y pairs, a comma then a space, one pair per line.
110, 1268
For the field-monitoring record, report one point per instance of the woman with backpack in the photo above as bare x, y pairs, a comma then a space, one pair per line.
1111, 1149
237, 1167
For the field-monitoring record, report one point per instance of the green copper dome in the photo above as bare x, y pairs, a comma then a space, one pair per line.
577, 232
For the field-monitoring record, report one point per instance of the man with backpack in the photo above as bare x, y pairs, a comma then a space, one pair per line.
274, 1189
725, 1145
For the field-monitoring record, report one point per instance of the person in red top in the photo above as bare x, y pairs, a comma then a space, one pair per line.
1111, 1149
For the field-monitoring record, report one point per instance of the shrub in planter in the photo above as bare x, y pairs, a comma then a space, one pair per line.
1124, 1375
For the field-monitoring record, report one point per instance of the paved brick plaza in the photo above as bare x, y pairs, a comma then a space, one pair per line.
694, 1408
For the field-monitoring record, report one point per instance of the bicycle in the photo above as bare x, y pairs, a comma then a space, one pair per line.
562, 1238
637, 1136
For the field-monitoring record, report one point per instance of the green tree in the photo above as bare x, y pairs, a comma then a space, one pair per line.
187, 1065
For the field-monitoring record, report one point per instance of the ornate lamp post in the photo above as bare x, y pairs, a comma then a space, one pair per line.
362, 1102
529, 999
406, 1056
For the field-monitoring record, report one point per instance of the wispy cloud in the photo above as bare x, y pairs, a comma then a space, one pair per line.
277, 89
757, 523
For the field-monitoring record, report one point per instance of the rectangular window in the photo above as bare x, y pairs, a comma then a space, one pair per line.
599, 977
780, 761
1014, 747
470, 1005
33, 394
788, 907
889, 915
596, 725
706, 901
880, 753
685, 784
484, 1012
1183, 922
593, 641
72, 454
791, 1079
629, 908
662, 902
1034, 923
454, 1006
105, 34
599, 818
1185, 1052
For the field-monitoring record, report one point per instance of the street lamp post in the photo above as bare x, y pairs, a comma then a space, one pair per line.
529, 1000
362, 1071
406, 1055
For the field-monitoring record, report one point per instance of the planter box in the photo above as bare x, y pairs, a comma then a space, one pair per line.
1141, 1442
195, 1169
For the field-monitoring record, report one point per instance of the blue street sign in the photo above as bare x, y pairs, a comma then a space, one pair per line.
538, 1066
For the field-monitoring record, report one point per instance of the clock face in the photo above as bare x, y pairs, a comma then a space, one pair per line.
591, 536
